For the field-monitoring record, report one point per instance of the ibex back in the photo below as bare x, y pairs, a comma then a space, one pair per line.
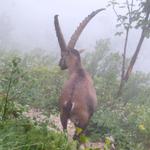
78, 97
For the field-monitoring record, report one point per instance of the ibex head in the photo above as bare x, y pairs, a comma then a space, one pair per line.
69, 55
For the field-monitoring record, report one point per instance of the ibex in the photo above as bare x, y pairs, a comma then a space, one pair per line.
78, 98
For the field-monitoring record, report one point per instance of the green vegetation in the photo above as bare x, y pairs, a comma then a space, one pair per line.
19, 87
35, 80
23, 134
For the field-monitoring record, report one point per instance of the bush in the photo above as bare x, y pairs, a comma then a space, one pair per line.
23, 134
129, 125
36, 81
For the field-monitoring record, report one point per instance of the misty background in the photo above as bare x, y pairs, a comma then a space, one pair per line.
28, 24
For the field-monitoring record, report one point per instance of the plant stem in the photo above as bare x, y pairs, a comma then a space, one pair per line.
123, 63
6, 98
134, 57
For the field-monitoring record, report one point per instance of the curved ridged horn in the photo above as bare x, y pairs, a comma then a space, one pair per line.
80, 28
59, 34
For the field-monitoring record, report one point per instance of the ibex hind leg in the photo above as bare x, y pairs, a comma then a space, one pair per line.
77, 133
81, 122
65, 113
64, 120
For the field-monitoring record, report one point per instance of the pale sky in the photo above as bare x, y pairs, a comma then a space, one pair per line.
32, 22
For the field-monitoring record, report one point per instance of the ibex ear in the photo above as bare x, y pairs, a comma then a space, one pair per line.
81, 50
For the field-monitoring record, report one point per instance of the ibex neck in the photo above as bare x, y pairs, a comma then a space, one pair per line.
74, 68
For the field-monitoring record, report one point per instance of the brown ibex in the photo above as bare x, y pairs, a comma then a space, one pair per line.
78, 98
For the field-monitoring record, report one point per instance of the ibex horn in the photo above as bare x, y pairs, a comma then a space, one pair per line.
80, 28
59, 34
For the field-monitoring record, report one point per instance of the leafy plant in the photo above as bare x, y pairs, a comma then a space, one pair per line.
23, 134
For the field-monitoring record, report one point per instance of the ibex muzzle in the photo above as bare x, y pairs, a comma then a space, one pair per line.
78, 97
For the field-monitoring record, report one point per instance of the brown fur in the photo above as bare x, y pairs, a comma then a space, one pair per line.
78, 97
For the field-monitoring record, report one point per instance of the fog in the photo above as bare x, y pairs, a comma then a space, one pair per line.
30, 25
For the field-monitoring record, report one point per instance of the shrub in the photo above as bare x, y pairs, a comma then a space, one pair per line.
23, 134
